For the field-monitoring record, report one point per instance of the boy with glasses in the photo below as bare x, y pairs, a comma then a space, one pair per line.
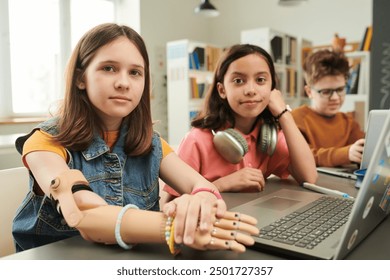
335, 138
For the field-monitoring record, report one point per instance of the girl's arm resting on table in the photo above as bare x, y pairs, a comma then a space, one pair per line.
245, 179
189, 208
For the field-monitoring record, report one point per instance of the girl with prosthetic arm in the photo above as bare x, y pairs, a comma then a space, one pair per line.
95, 167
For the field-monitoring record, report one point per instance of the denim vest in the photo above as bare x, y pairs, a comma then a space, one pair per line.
116, 177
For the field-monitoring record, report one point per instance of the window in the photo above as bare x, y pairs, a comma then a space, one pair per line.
39, 47
34, 50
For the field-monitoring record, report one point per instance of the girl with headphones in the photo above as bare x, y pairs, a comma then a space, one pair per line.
245, 131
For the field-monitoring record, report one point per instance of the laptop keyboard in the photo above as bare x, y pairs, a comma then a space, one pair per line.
310, 225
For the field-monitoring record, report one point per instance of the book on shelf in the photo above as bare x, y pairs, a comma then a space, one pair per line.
291, 82
191, 61
199, 54
198, 89
361, 45
367, 39
212, 56
194, 61
365, 43
353, 81
277, 49
293, 50
197, 59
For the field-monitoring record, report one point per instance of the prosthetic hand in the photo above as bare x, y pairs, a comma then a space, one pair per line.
114, 224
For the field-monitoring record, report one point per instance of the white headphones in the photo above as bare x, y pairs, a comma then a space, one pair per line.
232, 146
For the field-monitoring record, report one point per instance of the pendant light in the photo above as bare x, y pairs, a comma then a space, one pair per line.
290, 2
206, 9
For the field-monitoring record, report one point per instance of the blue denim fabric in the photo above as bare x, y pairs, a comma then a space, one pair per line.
116, 177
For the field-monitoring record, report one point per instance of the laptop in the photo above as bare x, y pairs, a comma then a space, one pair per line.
376, 120
364, 213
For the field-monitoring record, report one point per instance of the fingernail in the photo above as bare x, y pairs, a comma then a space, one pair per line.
188, 240
178, 239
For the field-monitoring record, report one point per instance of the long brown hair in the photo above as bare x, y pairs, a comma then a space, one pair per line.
78, 121
216, 112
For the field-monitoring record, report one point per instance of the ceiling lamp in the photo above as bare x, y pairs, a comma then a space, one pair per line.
290, 2
206, 9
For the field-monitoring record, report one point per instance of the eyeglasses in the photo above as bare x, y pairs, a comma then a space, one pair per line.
328, 92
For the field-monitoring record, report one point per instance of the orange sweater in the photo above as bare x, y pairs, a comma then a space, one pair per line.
329, 138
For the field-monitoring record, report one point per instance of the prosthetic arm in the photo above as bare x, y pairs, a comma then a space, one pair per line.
123, 225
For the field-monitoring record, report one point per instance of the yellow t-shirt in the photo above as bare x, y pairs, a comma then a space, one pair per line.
41, 141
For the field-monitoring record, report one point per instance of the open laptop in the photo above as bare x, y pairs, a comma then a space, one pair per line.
376, 120
369, 208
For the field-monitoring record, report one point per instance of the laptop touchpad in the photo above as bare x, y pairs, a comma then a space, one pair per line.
277, 203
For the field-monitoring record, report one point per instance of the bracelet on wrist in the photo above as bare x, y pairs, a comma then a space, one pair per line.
287, 109
214, 192
118, 223
169, 236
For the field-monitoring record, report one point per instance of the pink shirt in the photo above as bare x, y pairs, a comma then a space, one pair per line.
197, 149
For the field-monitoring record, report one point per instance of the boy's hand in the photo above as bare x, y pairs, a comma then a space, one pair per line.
356, 151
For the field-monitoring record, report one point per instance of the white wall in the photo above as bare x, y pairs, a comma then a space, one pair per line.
315, 20
163, 21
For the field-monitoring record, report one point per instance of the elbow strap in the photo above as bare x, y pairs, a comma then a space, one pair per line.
61, 190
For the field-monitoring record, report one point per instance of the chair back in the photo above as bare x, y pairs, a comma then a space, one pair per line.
14, 187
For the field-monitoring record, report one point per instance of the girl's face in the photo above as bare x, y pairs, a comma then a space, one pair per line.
247, 88
114, 81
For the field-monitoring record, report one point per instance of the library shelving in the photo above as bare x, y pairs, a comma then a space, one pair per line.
189, 74
357, 100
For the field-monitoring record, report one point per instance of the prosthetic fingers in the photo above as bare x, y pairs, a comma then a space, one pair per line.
231, 232
111, 224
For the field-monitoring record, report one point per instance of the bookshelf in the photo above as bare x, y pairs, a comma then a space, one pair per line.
285, 50
190, 66
358, 100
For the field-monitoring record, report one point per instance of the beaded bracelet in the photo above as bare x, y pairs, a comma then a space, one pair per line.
214, 192
169, 236
118, 237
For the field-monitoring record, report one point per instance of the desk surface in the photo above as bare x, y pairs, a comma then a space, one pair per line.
76, 248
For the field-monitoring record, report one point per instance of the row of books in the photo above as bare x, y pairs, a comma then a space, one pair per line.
365, 45
284, 49
204, 58
289, 78
198, 90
